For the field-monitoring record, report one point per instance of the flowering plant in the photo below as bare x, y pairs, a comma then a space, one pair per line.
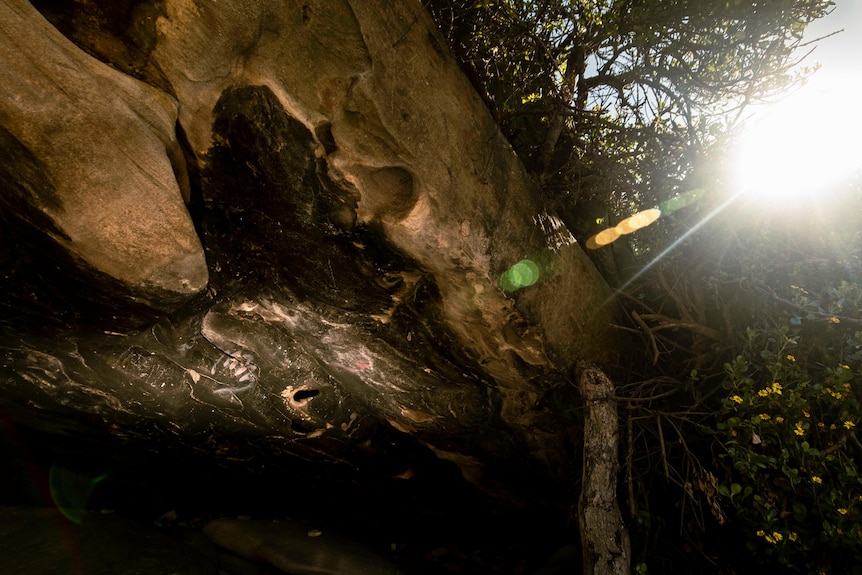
787, 435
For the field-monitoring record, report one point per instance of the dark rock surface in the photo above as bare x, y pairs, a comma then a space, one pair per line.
298, 548
420, 516
41, 541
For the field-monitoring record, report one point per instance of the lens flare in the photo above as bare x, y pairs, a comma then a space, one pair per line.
603, 238
640, 220
643, 218
680, 201
523, 274
71, 491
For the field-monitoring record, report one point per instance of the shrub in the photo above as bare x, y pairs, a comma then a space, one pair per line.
787, 433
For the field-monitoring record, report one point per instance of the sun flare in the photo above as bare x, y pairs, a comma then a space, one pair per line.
801, 147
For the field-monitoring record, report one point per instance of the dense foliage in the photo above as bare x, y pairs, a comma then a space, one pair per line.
616, 99
786, 440
740, 426
742, 422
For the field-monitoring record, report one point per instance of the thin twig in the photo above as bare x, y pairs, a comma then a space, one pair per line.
669, 323
835, 447
661, 443
648, 331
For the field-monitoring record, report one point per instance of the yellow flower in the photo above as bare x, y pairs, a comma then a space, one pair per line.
790, 357
763, 392
849, 424
834, 319
776, 388
845, 366
779, 419
761, 533
799, 430
778, 536
815, 479
793, 536
735, 399
764, 416
842, 511
832, 427
770, 539
821, 424
805, 413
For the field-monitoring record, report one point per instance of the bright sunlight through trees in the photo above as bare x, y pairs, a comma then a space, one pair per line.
803, 146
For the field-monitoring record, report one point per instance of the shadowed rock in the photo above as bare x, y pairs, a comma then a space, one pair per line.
297, 549
357, 206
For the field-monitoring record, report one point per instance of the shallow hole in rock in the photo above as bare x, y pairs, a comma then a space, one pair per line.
303, 395
297, 427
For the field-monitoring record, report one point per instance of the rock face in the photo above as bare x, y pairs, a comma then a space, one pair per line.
357, 207
91, 159
405, 138
298, 549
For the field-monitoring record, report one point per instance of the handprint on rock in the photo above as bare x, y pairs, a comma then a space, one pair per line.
240, 366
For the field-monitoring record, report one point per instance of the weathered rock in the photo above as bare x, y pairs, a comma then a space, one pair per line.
358, 208
91, 160
406, 138
409, 151
297, 548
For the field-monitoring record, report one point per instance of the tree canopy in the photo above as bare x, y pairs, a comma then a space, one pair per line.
616, 100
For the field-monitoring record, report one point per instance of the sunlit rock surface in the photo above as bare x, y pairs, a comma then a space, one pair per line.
91, 163
357, 208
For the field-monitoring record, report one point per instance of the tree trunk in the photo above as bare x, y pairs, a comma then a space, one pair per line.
604, 538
